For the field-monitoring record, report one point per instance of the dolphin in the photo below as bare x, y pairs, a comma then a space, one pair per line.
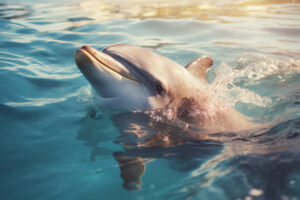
131, 77
126, 76
134, 78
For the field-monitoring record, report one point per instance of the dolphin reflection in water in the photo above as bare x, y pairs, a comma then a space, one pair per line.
170, 104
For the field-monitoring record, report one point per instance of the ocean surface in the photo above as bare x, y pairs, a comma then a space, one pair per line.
58, 143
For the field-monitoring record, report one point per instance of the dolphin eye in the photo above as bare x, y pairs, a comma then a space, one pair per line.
159, 89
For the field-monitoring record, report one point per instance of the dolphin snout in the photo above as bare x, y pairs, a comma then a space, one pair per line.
106, 74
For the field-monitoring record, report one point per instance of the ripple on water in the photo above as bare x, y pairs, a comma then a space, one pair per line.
13, 11
48, 112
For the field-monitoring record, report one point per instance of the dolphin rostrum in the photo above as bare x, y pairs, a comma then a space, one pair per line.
132, 77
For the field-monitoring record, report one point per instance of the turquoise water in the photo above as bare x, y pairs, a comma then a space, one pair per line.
57, 143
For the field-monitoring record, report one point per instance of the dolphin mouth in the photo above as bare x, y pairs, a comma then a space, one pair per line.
99, 58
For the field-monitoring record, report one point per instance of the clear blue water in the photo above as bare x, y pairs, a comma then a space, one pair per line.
57, 143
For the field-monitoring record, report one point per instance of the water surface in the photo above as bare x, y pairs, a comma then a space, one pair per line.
57, 143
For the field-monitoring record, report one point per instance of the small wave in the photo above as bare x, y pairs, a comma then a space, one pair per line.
13, 11
39, 102
35, 102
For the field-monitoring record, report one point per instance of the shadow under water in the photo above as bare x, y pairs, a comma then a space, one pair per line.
261, 158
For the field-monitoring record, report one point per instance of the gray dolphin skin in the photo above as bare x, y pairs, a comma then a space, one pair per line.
131, 77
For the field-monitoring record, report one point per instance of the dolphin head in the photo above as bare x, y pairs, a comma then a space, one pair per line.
127, 76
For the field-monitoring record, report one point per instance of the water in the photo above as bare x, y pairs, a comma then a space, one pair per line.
57, 143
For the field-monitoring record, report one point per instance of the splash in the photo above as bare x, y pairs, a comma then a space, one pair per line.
256, 67
85, 95
235, 83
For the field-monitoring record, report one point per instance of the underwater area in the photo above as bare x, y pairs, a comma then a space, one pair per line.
57, 142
